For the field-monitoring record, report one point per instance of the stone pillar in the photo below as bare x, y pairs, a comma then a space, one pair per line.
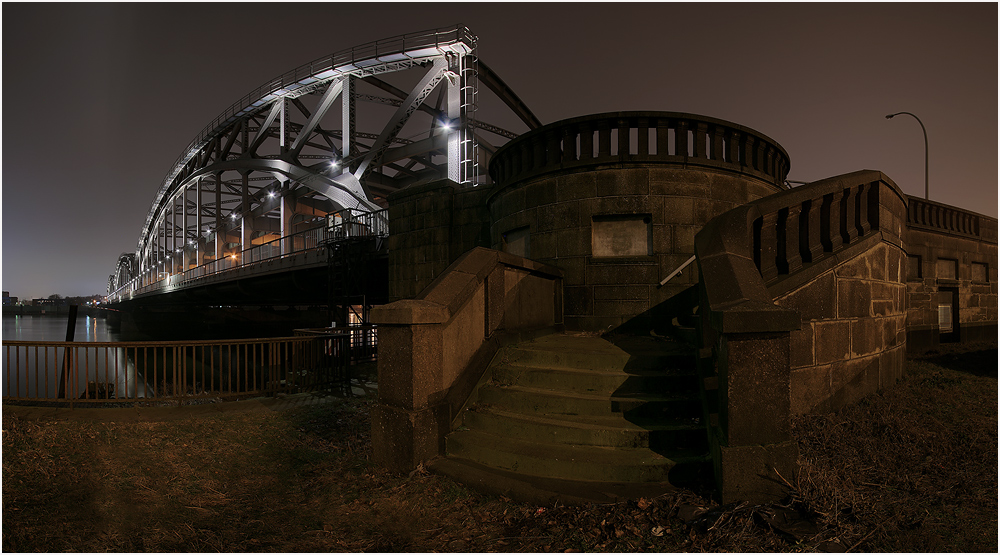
755, 451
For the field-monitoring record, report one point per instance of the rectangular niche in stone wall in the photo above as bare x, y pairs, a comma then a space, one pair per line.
622, 235
913, 270
947, 268
980, 272
518, 242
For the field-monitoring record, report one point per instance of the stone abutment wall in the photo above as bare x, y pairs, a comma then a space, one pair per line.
615, 201
951, 275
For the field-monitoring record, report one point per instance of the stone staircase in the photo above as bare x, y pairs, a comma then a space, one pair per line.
578, 418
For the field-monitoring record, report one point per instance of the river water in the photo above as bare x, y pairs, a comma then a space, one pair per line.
37, 372
53, 328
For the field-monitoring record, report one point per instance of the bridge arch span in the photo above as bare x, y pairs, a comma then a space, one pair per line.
335, 135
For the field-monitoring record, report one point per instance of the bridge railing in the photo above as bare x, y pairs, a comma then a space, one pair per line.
640, 137
942, 218
362, 343
172, 372
358, 225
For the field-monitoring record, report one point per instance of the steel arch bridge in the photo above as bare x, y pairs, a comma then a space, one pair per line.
325, 142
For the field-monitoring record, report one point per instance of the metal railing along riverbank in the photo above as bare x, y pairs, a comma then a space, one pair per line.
155, 372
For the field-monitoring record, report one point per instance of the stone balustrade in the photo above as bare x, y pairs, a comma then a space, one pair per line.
801, 310
933, 216
640, 137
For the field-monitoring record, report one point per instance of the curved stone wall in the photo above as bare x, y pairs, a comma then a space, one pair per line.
615, 200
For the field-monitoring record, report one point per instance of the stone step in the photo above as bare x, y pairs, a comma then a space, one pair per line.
572, 462
595, 381
541, 402
547, 492
612, 430
593, 353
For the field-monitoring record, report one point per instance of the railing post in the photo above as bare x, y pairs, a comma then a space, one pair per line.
789, 246
769, 246
849, 229
681, 139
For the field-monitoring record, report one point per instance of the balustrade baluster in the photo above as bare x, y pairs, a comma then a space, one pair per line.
830, 223
662, 137
553, 154
700, 132
586, 142
718, 146
769, 246
733, 147
681, 139
569, 135
791, 243
623, 139
537, 151
603, 139
848, 229
643, 144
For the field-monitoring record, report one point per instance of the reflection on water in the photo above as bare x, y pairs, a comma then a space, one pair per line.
53, 328
48, 372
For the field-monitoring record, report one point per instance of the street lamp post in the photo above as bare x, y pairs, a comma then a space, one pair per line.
927, 189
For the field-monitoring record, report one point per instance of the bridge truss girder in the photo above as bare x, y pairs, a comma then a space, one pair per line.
305, 145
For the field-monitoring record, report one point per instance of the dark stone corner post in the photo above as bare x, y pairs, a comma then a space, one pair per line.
753, 451
746, 384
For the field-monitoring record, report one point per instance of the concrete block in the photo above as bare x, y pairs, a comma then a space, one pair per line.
620, 308
621, 292
679, 183
854, 299
614, 274
851, 380
809, 390
866, 337
539, 193
728, 189
573, 242
755, 372
576, 186
402, 439
801, 351
631, 181
815, 300
683, 236
560, 215
578, 301
832, 341
680, 210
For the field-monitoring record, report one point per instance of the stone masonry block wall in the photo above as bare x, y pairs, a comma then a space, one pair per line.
436, 346
951, 256
430, 226
853, 335
615, 201
559, 211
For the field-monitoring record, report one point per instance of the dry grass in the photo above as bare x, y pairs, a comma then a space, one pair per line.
911, 469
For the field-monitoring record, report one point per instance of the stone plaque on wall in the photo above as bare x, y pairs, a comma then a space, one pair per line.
626, 235
947, 268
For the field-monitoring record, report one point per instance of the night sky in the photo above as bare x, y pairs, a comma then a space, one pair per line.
99, 100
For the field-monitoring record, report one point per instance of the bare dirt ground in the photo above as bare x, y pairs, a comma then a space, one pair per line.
913, 468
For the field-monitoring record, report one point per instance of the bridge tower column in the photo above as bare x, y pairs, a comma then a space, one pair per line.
287, 213
218, 217
246, 219
199, 247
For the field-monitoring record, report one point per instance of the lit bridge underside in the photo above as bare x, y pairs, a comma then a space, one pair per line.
305, 162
